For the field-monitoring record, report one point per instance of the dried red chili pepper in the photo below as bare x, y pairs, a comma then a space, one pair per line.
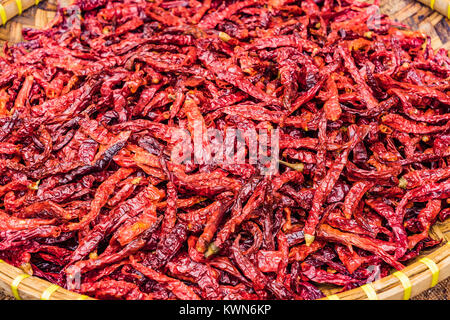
332, 107
95, 111
101, 197
181, 290
376, 246
326, 186
354, 196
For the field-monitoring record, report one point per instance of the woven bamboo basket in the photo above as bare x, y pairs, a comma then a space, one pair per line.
423, 273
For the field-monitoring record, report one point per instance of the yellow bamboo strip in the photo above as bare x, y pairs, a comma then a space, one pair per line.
15, 285
49, 291
12, 8
19, 6
441, 6
3, 14
433, 268
370, 291
406, 283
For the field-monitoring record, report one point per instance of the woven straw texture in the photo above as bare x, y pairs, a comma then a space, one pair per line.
421, 274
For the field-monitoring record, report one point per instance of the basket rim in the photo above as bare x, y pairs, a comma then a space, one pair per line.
392, 287
420, 276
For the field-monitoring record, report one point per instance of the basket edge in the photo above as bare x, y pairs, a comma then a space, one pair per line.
391, 287
387, 288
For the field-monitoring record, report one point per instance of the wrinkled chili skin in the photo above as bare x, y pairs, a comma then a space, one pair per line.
92, 108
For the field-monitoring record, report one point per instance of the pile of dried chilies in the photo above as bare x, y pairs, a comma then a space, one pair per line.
91, 199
